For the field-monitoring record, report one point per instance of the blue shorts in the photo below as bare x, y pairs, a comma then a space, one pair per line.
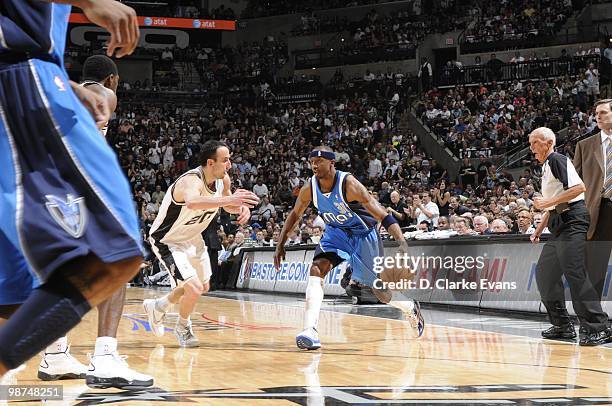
62, 192
16, 282
359, 250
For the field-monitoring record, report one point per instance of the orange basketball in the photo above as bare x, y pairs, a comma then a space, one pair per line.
396, 274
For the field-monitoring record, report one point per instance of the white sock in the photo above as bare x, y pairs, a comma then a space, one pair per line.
162, 304
59, 345
399, 301
314, 298
105, 345
183, 322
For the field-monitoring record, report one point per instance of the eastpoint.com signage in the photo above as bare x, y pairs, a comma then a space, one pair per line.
166, 22
288, 272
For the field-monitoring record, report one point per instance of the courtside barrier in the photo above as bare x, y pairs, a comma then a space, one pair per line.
488, 272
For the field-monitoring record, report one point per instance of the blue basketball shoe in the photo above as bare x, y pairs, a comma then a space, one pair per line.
414, 316
308, 339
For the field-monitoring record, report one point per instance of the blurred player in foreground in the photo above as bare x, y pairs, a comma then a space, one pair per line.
67, 208
107, 367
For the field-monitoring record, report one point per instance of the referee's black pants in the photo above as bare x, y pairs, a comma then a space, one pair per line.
563, 255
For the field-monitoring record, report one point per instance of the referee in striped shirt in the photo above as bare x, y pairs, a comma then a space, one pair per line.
563, 254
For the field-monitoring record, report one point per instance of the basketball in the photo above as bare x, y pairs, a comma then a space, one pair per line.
396, 274
393, 278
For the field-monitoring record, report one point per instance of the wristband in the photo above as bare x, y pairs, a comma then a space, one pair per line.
388, 221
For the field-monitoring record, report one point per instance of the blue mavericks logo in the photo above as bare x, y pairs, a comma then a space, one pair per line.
148, 21
70, 214
197, 24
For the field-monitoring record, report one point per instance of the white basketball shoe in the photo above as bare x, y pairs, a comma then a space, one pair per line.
111, 370
155, 316
57, 363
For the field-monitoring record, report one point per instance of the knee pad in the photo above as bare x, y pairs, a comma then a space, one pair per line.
49, 313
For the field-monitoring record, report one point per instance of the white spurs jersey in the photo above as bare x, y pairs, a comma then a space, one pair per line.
86, 83
175, 223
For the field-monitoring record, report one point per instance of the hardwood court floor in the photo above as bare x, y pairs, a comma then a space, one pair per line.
248, 357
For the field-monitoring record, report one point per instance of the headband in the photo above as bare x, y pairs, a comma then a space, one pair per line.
323, 154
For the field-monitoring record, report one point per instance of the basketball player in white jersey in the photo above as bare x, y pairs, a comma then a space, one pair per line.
107, 368
187, 209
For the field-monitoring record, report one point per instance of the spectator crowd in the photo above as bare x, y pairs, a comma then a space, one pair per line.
157, 138
257, 9
156, 143
518, 19
495, 119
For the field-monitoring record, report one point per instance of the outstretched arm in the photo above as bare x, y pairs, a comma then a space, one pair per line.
243, 212
187, 190
293, 219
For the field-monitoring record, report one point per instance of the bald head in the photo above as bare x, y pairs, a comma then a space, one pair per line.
395, 197
542, 142
499, 226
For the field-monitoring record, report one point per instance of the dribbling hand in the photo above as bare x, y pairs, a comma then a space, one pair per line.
279, 256
403, 247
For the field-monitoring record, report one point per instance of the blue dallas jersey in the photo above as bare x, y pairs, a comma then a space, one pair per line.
33, 28
336, 211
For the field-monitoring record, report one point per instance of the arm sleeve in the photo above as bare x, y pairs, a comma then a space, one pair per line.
562, 168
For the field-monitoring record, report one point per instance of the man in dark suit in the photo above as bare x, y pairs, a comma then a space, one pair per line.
593, 162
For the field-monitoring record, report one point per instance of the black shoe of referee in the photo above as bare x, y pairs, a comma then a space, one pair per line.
555, 332
598, 338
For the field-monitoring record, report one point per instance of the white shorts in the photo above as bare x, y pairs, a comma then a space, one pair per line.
184, 261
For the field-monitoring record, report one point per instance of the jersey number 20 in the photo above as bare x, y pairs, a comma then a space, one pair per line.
200, 219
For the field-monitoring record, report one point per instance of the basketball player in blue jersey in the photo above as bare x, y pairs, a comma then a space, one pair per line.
15, 287
67, 208
107, 368
351, 215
